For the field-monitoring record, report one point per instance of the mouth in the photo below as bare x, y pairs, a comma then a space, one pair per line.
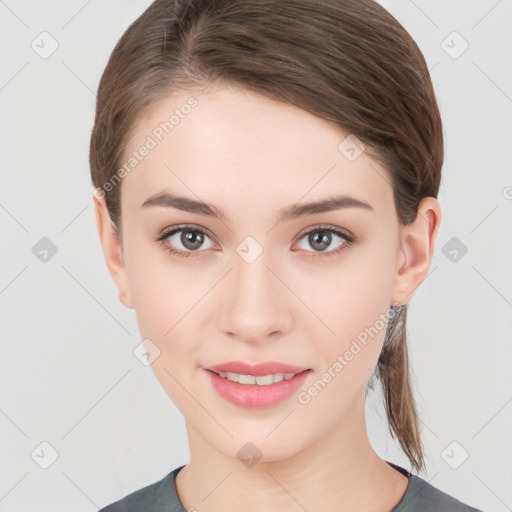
257, 369
260, 380
256, 386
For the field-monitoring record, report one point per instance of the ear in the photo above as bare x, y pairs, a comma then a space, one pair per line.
417, 247
112, 249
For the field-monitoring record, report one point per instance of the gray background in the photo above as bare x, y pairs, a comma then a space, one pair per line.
68, 376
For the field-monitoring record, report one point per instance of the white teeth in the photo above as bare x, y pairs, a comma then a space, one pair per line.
261, 380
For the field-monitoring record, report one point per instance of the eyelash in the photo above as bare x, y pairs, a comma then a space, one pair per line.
162, 239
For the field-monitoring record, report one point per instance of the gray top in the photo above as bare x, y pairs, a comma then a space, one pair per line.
161, 496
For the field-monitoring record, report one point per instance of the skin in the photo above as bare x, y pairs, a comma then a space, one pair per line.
285, 306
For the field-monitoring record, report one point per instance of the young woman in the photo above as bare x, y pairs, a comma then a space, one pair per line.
266, 177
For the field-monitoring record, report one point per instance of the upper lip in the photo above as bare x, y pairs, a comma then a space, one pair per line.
267, 368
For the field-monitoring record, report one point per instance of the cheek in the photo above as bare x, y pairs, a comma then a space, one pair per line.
165, 301
353, 310
351, 295
162, 289
349, 357
166, 297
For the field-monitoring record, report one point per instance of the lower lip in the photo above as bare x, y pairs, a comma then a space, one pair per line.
254, 396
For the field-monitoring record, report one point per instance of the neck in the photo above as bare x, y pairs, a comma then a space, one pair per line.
340, 471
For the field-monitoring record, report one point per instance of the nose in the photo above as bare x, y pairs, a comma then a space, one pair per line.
255, 301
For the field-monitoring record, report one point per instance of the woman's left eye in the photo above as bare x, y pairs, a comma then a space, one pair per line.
193, 238
321, 238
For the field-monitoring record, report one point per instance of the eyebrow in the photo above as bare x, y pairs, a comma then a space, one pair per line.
294, 211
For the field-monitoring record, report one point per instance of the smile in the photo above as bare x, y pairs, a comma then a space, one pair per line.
260, 380
256, 391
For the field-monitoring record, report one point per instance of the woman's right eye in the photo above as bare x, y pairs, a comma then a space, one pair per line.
190, 238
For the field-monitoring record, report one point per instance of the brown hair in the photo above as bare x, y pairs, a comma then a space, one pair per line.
349, 62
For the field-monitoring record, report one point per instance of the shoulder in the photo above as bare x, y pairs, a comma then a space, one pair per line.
424, 497
156, 497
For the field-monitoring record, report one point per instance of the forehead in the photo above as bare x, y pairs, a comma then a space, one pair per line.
227, 145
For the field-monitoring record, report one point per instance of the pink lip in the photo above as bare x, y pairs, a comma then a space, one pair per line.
266, 368
255, 396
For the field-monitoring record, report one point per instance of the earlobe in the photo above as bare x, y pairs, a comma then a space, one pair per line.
112, 250
417, 249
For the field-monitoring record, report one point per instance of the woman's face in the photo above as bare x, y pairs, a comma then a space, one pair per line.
258, 287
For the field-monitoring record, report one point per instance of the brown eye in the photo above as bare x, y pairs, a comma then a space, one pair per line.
191, 239
183, 240
320, 239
